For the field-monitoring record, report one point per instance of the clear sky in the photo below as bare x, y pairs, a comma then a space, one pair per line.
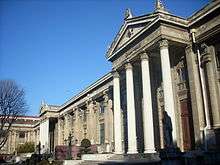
56, 48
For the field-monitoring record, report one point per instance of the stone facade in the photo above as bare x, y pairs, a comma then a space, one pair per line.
163, 90
25, 129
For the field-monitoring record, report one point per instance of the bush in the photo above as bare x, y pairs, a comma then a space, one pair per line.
85, 143
26, 148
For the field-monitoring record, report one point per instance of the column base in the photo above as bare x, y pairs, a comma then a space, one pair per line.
210, 139
119, 152
132, 152
148, 151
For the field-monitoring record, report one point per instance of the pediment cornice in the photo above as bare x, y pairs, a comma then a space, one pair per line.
134, 27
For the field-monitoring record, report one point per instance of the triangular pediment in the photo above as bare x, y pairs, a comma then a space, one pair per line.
128, 31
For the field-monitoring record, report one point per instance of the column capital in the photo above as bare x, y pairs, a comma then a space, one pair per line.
163, 43
115, 74
188, 49
205, 54
128, 66
89, 99
144, 55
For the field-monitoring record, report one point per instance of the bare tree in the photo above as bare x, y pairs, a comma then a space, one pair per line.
12, 105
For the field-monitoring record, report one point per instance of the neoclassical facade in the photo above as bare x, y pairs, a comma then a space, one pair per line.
24, 129
163, 90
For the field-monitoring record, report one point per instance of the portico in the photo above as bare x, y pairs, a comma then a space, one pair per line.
143, 58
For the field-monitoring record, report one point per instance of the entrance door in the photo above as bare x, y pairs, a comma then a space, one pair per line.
186, 125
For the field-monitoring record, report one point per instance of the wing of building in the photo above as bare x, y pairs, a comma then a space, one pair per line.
163, 90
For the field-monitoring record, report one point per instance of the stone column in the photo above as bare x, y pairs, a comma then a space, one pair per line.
8, 143
117, 114
195, 94
131, 119
65, 126
149, 146
106, 118
204, 93
91, 121
59, 131
77, 128
207, 60
167, 86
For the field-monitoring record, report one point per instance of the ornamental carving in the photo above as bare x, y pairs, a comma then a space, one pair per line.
144, 55
163, 43
128, 66
115, 74
205, 54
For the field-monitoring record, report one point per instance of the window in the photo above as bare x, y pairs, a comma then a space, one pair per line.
102, 133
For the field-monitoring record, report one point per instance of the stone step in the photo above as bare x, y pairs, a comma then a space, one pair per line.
146, 157
90, 162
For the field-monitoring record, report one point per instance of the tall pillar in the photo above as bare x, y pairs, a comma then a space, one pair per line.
149, 146
131, 119
210, 91
91, 120
167, 86
59, 123
195, 94
106, 118
207, 60
117, 114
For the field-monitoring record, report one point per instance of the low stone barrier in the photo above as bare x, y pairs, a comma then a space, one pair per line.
62, 151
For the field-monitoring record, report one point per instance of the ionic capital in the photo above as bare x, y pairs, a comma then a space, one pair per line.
115, 74
128, 66
144, 55
163, 43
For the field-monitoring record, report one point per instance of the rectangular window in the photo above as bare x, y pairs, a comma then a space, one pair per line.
102, 133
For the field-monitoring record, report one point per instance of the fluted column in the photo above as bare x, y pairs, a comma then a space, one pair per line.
149, 146
117, 114
131, 119
167, 86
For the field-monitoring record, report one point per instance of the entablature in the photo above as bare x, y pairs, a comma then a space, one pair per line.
119, 45
177, 35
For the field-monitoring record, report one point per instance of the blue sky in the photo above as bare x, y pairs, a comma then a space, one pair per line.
55, 48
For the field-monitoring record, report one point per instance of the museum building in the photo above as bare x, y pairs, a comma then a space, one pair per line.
163, 90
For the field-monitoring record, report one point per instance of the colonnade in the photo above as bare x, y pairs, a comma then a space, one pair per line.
148, 127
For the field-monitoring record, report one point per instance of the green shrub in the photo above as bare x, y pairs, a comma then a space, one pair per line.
26, 147
85, 143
